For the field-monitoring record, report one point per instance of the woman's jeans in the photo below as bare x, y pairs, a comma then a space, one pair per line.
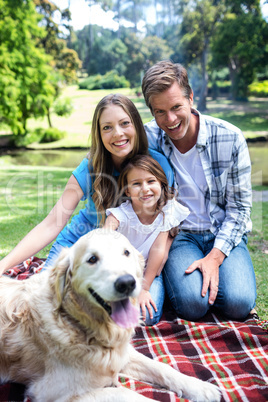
237, 286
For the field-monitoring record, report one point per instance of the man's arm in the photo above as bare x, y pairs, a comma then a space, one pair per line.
238, 198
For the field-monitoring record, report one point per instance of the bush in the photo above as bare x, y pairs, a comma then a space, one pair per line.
50, 134
110, 80
25, 140
63, 107
92, 82
259, 89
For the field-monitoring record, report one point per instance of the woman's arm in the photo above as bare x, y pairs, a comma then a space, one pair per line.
46, 231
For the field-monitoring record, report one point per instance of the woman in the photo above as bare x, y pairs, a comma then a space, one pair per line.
117, 135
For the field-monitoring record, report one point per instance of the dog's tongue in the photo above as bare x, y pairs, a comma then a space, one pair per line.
124, 314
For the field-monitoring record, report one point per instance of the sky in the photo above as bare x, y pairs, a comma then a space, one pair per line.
82, 15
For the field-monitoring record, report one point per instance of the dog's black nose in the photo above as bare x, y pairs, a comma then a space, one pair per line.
125, 284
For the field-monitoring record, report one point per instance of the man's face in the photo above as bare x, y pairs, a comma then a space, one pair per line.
172, 112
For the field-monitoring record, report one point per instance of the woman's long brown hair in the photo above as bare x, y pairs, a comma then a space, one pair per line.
100, 162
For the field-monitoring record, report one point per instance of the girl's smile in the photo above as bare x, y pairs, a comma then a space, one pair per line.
144, 189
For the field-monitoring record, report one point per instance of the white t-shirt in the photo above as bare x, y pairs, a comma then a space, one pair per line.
142, 236
192, 186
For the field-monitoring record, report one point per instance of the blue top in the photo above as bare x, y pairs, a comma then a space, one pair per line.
86, 219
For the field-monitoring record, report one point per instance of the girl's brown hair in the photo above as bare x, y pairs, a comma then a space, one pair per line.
100, 162
146, 162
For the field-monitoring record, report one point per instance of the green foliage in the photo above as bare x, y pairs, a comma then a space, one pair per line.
25, 140
65, 62
38, 135
240, 42
25, 89
63, 107
101, 52
259, 89
110, 80
50, 134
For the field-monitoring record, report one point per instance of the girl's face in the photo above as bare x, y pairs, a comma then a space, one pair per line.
118, 134
144, 189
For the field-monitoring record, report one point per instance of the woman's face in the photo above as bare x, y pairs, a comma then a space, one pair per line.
118, 133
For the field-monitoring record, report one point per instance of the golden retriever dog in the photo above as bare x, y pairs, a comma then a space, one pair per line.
66, 332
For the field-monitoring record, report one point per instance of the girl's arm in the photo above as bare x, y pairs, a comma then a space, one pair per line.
46, 231
111, 223
157, 257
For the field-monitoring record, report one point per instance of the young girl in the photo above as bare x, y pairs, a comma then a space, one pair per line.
147, 219
117, 135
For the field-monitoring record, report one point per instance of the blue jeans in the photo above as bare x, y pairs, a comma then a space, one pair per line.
157, 291
237, 285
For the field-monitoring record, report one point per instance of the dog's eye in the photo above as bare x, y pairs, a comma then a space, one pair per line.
126, 252
92, 260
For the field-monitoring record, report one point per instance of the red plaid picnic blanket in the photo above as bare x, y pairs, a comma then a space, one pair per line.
230, 354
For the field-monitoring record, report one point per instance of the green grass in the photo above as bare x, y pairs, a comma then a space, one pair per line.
258, 248
28, 194
251, 117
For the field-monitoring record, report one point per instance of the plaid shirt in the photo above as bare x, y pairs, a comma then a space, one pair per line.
225, 159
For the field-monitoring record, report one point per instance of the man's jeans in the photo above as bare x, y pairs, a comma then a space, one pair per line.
237, 285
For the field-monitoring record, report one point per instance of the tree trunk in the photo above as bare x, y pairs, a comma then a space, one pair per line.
118, 10
49, 118
202, 103
233, 76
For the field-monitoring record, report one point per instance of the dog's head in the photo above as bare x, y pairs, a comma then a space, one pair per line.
104, 271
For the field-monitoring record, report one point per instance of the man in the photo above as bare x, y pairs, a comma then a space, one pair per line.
209, 263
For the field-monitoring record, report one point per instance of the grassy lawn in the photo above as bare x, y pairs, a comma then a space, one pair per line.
28, 194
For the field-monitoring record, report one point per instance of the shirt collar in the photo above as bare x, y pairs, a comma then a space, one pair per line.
202, 133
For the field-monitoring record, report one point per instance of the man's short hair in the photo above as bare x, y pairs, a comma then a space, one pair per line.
161, 76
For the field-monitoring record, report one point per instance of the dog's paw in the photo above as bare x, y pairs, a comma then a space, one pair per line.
201, 391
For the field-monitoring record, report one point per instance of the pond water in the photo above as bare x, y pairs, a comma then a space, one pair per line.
72, 158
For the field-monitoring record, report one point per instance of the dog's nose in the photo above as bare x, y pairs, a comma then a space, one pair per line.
125, 284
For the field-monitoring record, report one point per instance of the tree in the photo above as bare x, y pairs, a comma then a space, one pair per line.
195, 33
64, 61
142, 54
241, 43
25, 87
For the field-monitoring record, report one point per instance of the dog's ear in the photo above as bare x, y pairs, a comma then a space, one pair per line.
60, 273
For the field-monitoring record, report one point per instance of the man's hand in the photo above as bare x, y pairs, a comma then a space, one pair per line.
209, 266
145, 300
